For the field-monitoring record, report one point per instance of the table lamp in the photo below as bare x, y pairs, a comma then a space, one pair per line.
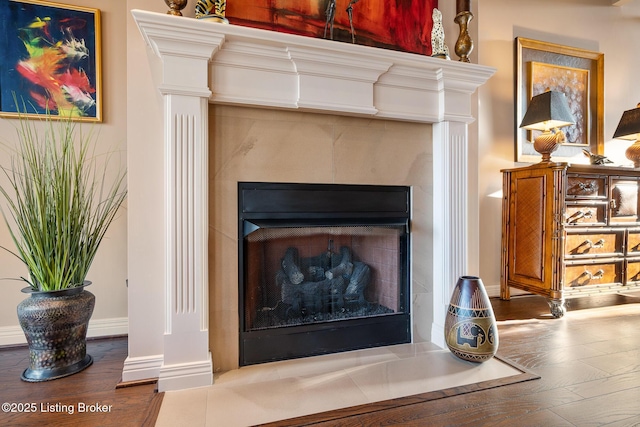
547, 112
629, 128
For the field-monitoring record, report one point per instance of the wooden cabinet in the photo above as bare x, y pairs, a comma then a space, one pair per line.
569, 231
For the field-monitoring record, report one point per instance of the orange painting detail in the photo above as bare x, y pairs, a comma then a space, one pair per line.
403, 25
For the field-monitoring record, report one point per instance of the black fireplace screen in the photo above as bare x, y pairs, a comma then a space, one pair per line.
324, 268
303, 275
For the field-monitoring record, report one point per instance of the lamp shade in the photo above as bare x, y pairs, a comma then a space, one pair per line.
629, 126
547, 111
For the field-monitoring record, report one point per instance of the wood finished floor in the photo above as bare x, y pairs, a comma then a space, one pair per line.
130, 406
589, 363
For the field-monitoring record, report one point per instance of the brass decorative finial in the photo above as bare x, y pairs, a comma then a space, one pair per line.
175, 6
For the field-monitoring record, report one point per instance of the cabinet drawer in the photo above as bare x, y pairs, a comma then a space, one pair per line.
579, 213
633, 271
597, 243
624, 200
586, 186
633, 243
593, 274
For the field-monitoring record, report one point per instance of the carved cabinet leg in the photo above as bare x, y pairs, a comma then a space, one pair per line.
557, 308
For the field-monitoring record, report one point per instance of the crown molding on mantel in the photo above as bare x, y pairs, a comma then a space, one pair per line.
250, 66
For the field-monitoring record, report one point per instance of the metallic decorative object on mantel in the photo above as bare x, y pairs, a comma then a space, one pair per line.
330, 14
464, 44
350, 13
212, 10
438, 48
547, 112
629, 128
175, 6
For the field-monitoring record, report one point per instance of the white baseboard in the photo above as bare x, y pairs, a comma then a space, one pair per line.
186, 375
437, 335
141, 368
13, 335
492, 290
108, 327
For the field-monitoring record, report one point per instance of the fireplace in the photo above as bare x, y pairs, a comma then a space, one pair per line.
323, 268
402, 119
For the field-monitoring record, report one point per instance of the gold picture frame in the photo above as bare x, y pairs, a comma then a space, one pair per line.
51, 61
579, 74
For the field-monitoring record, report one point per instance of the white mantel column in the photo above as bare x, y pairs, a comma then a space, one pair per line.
450, 217
185, 91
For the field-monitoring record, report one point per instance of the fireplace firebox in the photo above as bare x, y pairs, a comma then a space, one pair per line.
324, 268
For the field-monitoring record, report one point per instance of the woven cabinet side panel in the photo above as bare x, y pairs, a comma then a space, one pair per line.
529, 227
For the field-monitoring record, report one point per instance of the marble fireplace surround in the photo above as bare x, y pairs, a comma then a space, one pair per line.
214, 76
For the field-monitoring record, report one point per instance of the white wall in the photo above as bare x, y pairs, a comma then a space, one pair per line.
109, 271
587, 24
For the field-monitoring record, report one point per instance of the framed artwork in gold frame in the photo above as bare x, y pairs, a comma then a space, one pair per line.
51, 60
577, 73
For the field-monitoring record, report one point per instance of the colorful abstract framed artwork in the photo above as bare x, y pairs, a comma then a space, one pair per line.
577, 73
51, 61
403, 25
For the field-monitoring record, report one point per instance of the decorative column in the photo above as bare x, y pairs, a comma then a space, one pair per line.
450, 217
185, 91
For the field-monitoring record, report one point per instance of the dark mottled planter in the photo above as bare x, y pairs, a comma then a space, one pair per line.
470, 326
55, 325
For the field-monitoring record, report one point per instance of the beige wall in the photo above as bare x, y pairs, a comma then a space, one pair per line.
587, 24
109, 270
145, 127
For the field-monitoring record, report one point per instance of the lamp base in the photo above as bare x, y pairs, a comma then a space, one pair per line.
547, 143
633, 153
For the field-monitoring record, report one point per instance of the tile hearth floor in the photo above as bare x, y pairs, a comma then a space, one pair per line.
280, 390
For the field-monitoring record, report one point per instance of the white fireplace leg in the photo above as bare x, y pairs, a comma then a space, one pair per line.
185, 91
187, 360
450, 217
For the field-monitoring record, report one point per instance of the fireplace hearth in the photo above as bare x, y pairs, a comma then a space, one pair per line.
323, 269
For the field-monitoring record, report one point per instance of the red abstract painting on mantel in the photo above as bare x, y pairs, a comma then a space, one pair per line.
403, 25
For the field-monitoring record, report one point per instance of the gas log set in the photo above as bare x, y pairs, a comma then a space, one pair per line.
325, 287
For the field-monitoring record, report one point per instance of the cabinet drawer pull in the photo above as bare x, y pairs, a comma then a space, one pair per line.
588, 186
584, 213
597, 245
598, 274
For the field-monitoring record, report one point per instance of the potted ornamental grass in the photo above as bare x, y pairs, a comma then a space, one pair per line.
60, 198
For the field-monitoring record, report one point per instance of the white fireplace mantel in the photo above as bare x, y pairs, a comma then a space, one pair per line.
204, 62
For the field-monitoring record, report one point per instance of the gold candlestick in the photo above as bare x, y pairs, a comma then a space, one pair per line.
464, 44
